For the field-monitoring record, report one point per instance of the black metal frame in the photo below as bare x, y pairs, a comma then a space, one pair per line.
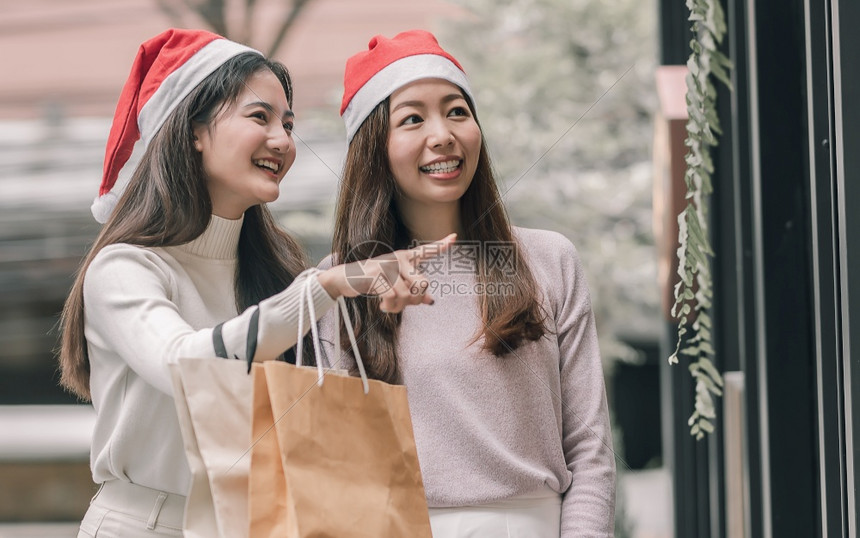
833, 506
844, 21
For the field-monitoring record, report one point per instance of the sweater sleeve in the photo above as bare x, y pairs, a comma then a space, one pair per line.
588, 506
129, 311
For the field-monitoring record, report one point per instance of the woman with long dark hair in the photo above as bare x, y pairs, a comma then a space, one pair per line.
189, 263
504, 375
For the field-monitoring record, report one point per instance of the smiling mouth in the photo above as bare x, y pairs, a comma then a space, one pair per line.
443, 167
266, 164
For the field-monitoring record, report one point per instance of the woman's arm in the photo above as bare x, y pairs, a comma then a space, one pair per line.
588, 506
130, 311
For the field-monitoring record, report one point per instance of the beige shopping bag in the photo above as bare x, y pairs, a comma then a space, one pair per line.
267, 488
348, 461
213, 402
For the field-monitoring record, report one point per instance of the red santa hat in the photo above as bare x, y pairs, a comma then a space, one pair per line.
165, 70
372, 75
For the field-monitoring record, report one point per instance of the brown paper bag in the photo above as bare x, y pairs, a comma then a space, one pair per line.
213, 402
347, 454
267, 488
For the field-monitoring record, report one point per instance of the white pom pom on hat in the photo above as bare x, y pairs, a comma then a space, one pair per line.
372, 75
165, 70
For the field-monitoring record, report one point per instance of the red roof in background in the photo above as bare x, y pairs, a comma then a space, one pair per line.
76, 55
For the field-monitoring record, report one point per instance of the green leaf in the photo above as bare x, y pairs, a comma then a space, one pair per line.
692, 67
703, 299
719, 18
692, 351
719, 72
702, 332
707, 348
707, 134
723, 60
694, 45
708, 366
704, 403
714, 123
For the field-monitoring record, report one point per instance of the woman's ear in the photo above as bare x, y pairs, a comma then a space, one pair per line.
198, 131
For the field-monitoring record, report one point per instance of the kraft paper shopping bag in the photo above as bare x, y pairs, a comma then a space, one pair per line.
346, 449
267, 488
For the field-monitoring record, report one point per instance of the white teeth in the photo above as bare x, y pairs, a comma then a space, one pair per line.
271, 165
443, 167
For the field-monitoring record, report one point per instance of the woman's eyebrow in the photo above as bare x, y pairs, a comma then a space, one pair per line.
418, 104
404, 104
287, 113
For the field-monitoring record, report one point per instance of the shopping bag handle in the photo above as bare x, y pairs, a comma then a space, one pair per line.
306, 295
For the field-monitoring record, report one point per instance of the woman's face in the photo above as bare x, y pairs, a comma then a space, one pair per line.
248, 147
433, 145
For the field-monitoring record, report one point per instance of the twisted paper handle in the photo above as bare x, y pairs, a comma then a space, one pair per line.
306, 295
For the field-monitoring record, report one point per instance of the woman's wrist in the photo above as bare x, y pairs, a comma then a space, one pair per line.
332, 280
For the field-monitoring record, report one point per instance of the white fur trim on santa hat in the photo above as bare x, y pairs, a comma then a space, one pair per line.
103, 205
394, 76
180, 82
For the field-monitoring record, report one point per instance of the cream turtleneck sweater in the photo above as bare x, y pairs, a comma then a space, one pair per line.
143, 309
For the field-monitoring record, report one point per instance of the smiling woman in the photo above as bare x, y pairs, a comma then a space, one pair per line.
504, 376
189, 263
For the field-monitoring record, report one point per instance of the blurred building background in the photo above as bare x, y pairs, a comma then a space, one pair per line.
566, 95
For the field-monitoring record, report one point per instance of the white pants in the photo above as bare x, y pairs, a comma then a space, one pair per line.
125, 510
534, 515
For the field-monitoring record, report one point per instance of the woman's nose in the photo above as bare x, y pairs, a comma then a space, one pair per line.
440, 134
280, 139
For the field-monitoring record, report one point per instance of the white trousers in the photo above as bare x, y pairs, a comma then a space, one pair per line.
534, 515
125, 510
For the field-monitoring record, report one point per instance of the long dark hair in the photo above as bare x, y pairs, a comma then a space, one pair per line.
167, 203
367, 215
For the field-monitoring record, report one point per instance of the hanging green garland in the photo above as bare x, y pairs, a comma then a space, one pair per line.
694, 292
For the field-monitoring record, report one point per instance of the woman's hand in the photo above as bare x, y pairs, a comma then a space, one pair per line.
394, 277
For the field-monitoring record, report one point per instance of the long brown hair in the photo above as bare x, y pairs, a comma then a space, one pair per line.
366, 216
167, 203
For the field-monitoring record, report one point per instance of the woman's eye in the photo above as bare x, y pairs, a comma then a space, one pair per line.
288, 127
458, 111
259, 116
412, 120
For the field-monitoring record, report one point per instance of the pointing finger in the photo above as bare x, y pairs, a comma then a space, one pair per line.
428, 251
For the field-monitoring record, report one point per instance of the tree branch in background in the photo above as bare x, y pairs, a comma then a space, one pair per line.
297, 7
213, 15
169, 9
247, 22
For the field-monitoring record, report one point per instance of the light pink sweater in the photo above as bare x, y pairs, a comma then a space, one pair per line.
489, 428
